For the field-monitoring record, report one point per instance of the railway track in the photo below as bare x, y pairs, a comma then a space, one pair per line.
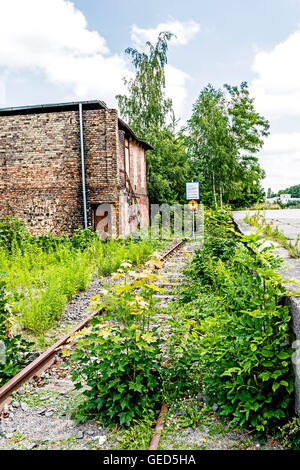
173, 263
47, 358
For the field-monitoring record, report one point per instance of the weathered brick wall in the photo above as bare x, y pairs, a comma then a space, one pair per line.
101, 159
40, 167
40, 170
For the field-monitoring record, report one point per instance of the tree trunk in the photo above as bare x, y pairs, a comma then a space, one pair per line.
214, 188
221, 195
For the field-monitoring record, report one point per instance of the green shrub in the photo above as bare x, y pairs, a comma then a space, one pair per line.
114, 252
14, 351
119, 360
12, 230
289, 434
239, 350
83, 238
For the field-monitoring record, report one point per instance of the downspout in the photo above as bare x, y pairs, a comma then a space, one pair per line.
83, 167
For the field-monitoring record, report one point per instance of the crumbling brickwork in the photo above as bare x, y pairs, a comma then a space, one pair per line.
40, 166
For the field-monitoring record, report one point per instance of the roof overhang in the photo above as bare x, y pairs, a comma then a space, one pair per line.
71, 105
126, 128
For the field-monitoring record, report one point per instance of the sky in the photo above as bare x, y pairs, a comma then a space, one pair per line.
57, 50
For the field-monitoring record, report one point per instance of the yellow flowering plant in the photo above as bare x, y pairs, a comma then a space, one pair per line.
120, 359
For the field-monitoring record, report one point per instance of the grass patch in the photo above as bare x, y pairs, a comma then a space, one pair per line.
137, 437
44, 273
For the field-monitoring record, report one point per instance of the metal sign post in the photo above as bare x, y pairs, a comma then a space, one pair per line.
193, 206
193, 232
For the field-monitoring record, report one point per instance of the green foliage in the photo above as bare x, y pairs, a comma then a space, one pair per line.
146, 106
167, 167
210, 145
294, 191
224, 135
44, 273
290, 434
136, 437
83, 238
193, 415
12, 230
113, 252
119, 360
14, 351
150, 114
41, 281
253, 194
234, 329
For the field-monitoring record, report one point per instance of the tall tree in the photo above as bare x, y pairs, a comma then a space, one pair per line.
225, 134
150, 114
249, 129
211, 146
146, 106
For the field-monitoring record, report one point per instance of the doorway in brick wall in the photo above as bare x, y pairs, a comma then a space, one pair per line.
101, 221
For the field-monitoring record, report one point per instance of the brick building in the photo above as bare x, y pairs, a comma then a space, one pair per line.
61, 163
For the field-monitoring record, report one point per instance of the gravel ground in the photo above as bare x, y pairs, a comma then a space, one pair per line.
76, 309
39, 417
215, 434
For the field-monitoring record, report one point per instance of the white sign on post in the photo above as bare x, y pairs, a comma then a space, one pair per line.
192, 191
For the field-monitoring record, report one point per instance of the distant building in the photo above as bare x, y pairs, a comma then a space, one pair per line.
283, 198
56, 174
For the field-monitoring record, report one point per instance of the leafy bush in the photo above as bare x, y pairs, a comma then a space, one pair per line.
119, 360
113, 252
83, 238
240, 348
290, 433
12, 230
14, 351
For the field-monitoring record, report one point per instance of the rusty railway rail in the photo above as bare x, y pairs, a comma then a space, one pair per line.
158, 428
47, 358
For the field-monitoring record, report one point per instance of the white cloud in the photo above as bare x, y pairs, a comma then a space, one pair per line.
176, 87
2, 91
184, 32
51, 36
280, 158
276, 90
277, 87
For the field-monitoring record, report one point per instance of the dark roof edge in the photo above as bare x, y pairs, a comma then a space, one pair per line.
142, 142
90, 103
38, 107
